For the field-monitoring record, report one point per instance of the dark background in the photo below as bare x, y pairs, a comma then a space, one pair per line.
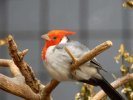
95, 21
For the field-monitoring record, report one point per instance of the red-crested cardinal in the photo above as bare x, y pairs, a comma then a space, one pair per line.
58, 62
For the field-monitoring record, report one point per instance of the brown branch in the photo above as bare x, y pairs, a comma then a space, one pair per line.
9, 63
4, 62
23, 53
116, 84
49, 88
17, 87
89, 55
17, 84
71, 55
24, 83
14, 69
22, 65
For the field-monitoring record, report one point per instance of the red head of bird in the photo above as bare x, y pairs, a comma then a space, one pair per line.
52, 38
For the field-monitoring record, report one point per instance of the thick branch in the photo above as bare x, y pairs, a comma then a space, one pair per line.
24, 83
17, 87
22, 65
116, 84
17, 84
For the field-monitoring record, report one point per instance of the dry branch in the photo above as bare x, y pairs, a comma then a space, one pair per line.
16, 86
116, 84
9, 63
4, 62
22, 65
24, 83
89, 55
49, 88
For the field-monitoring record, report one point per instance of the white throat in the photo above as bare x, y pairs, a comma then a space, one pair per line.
64, 40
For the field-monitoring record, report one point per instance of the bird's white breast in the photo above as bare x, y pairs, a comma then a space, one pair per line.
56, 66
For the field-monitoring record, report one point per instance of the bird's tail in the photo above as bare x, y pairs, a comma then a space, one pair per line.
107, 88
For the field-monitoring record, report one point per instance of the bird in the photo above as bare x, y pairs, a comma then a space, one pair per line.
58, 63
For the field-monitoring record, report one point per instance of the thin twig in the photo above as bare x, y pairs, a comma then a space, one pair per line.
23, 53
49, 88
71, 55
4, 62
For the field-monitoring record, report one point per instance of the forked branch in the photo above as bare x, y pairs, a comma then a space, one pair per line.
16, 85
89, 55
24, 83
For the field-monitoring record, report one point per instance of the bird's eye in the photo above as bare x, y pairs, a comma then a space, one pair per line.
54, 37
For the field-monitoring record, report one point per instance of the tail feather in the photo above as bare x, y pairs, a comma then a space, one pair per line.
107, 88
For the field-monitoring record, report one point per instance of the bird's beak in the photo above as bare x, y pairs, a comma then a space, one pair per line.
46, 37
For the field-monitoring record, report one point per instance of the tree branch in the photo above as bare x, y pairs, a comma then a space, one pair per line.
18, 87
24, 68
89, 55
4, 62
116, 84
49, 88
24, 83
9, 63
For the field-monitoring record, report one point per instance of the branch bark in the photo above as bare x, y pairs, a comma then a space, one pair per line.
49, 88
116, 84
24, 68
13, 68
89, 55
4, 62
17, 87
